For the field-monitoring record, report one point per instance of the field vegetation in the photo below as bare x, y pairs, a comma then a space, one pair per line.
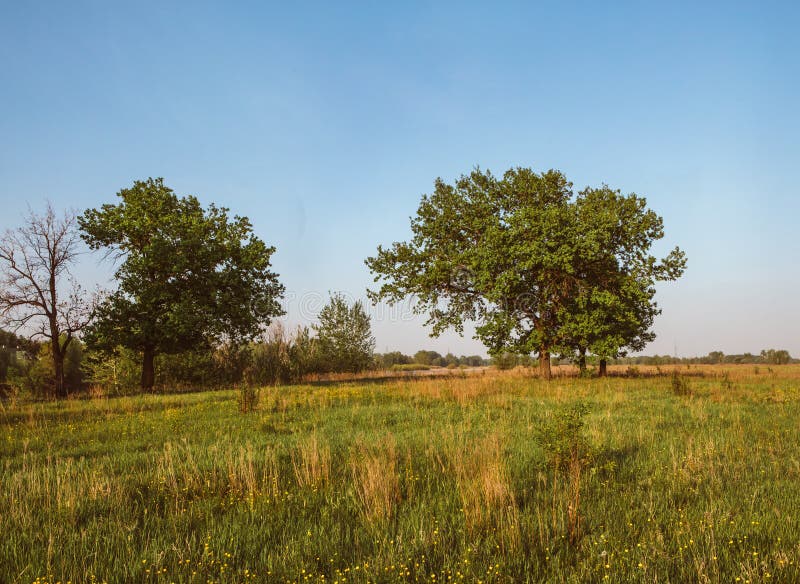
668, 474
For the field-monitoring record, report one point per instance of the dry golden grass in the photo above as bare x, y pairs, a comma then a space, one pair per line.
375, 478
483, 481
312, 463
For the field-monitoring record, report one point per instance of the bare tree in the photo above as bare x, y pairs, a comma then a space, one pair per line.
38, 295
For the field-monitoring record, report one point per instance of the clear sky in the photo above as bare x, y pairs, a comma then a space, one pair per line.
325, 123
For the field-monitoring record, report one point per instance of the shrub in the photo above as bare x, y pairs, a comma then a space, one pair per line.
114, 373
680, 385
410, 367
568, 453
634, 371
248, 399
280, 358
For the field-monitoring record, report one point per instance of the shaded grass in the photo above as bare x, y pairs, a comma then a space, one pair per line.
408, 480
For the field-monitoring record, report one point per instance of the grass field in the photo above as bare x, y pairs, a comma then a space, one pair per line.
411, 480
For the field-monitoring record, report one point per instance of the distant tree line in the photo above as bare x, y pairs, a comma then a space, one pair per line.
428, 358
766, 357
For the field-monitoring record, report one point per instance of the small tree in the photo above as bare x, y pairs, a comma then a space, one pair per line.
344, 336
38, 295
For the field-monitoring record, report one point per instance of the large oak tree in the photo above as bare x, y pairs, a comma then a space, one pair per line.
535, 267
188, 277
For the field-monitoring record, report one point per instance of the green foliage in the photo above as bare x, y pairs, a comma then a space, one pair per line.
504, 360
428, 358
713, 358
472, 361
344, 336
536, 267
34, 377
34, 374
15, 352
189, 277
74, 377
388, 360
563, 439
114, 372
280, 358
189, 370
775, 356
8, 353
410, 367
613, 308
569, 454
509, 360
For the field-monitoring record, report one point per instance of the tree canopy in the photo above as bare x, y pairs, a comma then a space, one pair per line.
535, 266
188, 277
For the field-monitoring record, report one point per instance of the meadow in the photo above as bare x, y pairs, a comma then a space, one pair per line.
687, 478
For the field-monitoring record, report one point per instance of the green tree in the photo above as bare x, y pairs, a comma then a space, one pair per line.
519, 255
8, 353
387, 360
189, 278
613, 307
116, 372
775, 356
344, 336
424, 357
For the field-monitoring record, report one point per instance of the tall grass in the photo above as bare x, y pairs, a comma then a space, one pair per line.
375, 479
407, 480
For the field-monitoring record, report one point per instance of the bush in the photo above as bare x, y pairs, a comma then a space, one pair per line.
115, 373
568, 453
248, 399
410, 367
505, 361
280, 358
680, 385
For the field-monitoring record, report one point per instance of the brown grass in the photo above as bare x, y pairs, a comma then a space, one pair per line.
484, 484
311, 463
375, 479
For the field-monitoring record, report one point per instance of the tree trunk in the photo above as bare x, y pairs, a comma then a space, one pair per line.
602, 371
148, 369
58, 370
582, 361
544, 364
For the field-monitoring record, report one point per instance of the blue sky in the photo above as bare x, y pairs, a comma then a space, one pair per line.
325, 123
